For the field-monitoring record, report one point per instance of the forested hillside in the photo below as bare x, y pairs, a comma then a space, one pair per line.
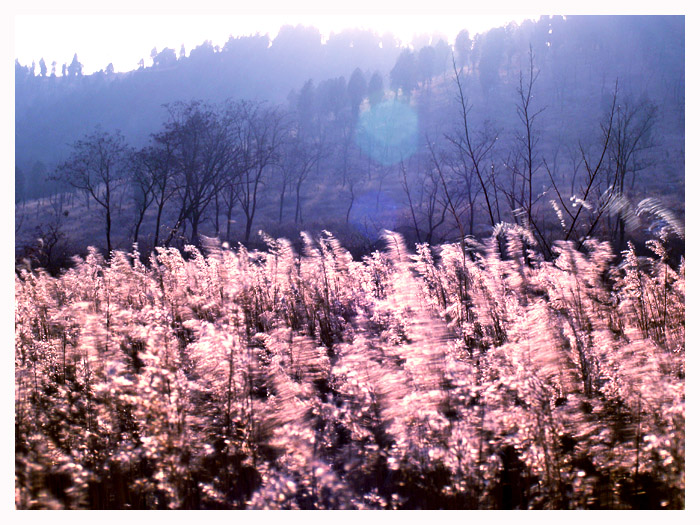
563, 124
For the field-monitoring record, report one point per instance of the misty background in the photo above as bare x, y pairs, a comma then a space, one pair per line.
436, 139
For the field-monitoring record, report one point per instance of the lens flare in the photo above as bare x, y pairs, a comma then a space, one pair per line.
388, 132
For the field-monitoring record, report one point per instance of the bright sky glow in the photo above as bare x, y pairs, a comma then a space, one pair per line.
124, 38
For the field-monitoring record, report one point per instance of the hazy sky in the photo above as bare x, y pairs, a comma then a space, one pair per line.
124, 32
126, 35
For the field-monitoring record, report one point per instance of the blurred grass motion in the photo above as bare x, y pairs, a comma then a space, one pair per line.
469, 376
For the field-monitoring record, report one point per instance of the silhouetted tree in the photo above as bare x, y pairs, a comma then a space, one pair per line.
332, 97
97, 167
202, 56
305, 105
21, 71
632, 137
165, 58
49, 234
427, 207
199, 138
76, 68
299, 154
42, 67
157, 165
475, 148
404, 74
463, 46
258, 133
426, 64
357, 90
578, 207
142, 184
526, 158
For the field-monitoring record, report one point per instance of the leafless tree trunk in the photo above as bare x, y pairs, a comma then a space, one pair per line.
96, 166
475, 151
259, 133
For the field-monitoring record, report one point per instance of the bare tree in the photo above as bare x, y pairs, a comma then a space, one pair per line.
51, 233
299, 156
631, 137
229, 196
152, 179
451, 199
96, 166
428, 210
199, 137
475, 149
578, 202
529, 140
142, 186
258, 134
524, 163
157, 162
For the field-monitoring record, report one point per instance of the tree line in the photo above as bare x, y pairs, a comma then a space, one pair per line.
212, 160
212, 163
578, 55
467, 165
205, 155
